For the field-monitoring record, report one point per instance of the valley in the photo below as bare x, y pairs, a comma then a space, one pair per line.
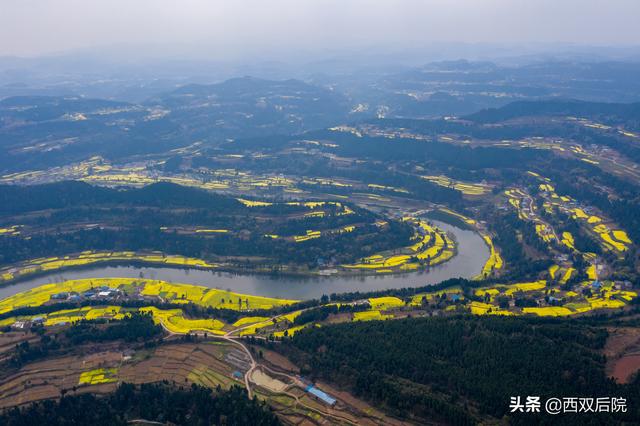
413, 254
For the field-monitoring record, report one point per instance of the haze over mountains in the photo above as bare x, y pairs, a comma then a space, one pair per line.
135, 72
114, 114
319, 212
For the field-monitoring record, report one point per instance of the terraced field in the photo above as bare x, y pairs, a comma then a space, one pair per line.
431, 247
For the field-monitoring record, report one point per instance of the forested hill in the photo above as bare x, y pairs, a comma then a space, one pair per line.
148, 403
574, 108
463, 370
22, 199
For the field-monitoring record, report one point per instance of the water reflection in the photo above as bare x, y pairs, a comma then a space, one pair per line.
472, 254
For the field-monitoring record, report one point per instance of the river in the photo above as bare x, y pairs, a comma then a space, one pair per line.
472, 254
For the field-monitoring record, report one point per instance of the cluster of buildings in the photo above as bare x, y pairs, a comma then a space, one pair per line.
103, 293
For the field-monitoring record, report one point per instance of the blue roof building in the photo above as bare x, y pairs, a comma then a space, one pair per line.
321, 395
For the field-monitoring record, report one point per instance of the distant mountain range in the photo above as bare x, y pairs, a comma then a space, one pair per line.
575, 108
51, 130
54, 130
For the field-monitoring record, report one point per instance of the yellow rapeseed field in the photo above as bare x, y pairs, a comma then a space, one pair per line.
289, 331
199, 295
370, 316
90, 257
249, 320
567, 240
430, 246
174, 321
466, 188
548, 311
98, 376
386, 302
494, 263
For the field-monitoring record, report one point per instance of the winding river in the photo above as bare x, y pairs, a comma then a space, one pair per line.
472, 254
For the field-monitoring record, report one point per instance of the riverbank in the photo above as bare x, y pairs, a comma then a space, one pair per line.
472, 255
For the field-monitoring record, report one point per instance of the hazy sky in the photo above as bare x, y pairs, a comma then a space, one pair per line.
32, 27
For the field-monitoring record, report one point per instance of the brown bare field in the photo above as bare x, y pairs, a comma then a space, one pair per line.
179, 363
625, 368
278, 362
8, 341
47, 379
623, 353
339, 318
209, 363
